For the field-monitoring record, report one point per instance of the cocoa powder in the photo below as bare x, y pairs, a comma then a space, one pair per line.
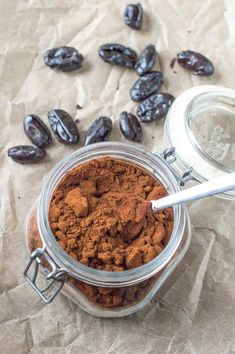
106, 297
101, 216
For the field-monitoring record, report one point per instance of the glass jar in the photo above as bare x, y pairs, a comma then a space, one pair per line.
115, 294
129, 290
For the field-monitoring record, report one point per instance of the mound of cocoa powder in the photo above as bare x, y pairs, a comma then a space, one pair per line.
101, 216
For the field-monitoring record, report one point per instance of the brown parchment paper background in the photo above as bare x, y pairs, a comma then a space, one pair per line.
194, 312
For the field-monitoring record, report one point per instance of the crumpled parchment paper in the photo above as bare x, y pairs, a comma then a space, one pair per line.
194, 312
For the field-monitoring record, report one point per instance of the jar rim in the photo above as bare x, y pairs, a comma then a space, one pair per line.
152, 163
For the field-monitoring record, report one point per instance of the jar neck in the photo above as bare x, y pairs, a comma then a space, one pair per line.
155, 165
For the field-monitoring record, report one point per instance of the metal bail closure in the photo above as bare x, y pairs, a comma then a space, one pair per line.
55, 278
170, 157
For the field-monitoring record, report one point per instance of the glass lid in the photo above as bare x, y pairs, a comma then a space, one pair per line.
201, 127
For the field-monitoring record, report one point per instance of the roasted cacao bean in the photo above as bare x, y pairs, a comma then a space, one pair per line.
98, 131
146, 60
130, 127
63, 58
63, 126
133, 16
118, 54
146, 85
196, 62
36, 130
26, 154
154, 107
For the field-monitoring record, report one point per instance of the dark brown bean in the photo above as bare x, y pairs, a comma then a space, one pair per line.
146, 85
98, 131
63, 58
118, 54
26, 154
63, 126
133, 16
196, 62
36, 130
154, 107
146, 60
130, 127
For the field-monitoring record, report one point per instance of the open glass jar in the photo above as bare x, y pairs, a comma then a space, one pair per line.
126, 292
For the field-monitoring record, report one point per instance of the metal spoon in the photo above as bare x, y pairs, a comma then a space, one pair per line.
203, 190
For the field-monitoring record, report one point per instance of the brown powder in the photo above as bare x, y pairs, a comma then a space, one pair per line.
101, 216
102, 296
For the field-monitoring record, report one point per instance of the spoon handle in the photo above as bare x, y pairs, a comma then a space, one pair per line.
203, 190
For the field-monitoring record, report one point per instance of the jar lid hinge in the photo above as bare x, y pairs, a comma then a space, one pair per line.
55, 278
169, 156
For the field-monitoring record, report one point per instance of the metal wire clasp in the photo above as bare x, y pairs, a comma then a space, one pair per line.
55, 277
169, 156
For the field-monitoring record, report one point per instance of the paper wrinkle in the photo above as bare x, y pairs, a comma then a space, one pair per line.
88, 30
194, 311
23, 82
29, 336
229, 17
194, 295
